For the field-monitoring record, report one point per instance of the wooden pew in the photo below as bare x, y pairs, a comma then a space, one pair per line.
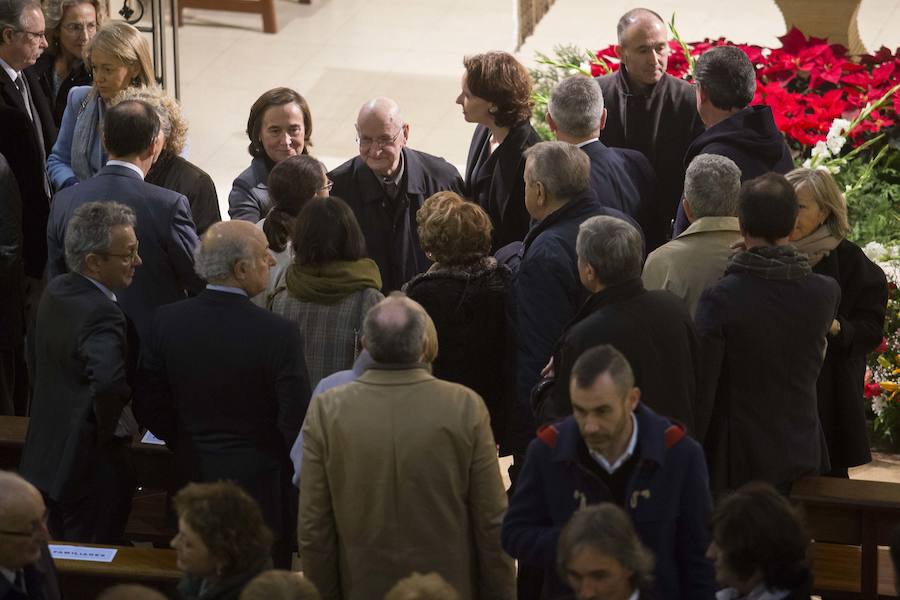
266, 8
153, 567
849, 520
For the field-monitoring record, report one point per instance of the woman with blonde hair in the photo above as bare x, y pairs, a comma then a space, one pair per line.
820, 232
119, 57
171, 170
70, 26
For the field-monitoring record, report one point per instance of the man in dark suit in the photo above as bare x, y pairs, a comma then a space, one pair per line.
620, 178
763, 329
26, 569
385, 186
164, 226
77, 449
224, 382
11, 322
652, 329
650, 110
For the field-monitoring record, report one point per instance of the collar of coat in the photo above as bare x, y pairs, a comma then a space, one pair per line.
706, 224
577, 208
651, 442
396, 373
414, 177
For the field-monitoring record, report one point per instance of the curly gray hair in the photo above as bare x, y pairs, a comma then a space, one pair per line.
89, 230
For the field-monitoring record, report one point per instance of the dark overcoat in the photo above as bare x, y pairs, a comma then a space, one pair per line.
495, 180
174, 173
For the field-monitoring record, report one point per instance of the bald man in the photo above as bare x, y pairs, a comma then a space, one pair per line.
224, 381
26, 569
415, 451
649, 110
385, 185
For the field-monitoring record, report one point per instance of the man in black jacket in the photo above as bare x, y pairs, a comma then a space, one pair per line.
224, 382
12, 391
763, 328
78, 446
726, 82
547, 290
652, 329
620, 178
649, 110
386, 185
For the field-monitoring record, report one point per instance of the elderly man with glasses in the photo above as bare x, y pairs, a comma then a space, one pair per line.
385, 185
26, 569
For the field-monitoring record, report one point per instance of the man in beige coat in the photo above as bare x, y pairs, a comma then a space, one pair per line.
697, 258
400, 474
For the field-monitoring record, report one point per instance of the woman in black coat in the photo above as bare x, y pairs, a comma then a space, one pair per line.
466, 293
71, 24
496, 94
171, 170
820, 233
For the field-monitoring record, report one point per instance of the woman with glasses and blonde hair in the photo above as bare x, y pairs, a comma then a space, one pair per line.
171, 170
821, 232
71, 25
119, 57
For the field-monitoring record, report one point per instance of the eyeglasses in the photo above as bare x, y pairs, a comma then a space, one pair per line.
78, 27
33, 35
327, 186
37, 527
379, 143
129, 257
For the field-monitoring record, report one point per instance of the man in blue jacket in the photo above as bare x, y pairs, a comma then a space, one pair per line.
614, 449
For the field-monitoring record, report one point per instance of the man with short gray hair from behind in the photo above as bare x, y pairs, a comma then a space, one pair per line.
414, 453
697, 258
621, 178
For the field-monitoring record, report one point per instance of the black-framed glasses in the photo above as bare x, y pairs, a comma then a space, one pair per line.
327, 186
33, 35
379, 143
36, 527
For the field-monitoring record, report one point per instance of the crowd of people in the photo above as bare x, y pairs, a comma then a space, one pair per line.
656, 316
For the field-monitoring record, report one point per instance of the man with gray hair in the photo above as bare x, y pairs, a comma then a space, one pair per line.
620, 178
725, 82
78, 446
26, 569
649, 110
385, 186
697, 258
224, 381
652, 329
399, 437
547, 289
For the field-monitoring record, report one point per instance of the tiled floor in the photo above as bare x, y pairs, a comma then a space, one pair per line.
339, 53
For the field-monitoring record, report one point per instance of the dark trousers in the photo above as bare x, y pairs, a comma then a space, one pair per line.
100, 516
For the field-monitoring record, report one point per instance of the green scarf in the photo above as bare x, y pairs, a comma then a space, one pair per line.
332, 282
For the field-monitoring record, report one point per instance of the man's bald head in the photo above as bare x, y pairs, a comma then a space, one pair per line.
394, 330
24, 530
637, 15
234, 253
382, 109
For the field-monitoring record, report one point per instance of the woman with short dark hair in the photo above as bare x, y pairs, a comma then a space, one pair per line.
222, 541
329, 287
496, 95
466, 293
279, 126
760, 546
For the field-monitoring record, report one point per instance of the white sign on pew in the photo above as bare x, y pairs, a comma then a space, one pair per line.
149, 438
61, 552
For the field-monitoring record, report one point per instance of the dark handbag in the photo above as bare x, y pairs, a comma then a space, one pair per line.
540, 395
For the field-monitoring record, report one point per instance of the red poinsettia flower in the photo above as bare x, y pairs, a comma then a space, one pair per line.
882, 347
871, 390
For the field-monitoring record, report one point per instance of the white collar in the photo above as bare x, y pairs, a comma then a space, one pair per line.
106, 291
582, 145
629, 451
124, 163
13, 74
226, 288
9, 574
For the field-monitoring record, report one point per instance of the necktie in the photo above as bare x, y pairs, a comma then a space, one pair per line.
23, 89
19, 583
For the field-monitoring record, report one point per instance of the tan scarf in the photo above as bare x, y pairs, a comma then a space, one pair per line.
817, 245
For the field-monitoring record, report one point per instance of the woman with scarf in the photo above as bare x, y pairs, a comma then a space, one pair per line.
119, 57
329, 287
820, 233
71, 24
